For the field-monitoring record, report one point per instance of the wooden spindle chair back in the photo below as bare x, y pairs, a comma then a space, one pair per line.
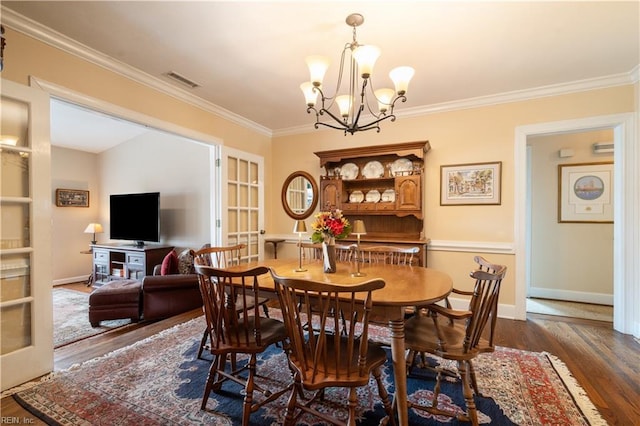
321, 356
235, 326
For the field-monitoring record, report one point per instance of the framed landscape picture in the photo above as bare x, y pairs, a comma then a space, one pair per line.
585, 193
72, 198
470, 184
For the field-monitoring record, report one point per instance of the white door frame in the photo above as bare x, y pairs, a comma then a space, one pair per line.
626, 228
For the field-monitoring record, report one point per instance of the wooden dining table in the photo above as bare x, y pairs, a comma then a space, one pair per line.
406, 286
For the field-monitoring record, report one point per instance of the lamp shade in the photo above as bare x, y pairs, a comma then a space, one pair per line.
93, 228
310, 94
358, 227
401, 77
317, 67
300, 227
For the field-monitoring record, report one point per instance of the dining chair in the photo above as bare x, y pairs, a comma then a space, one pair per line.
221, 257
321, 358
313, 252
235, 326
395, 255
458, 335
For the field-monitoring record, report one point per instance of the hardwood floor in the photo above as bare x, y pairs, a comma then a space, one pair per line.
603, 361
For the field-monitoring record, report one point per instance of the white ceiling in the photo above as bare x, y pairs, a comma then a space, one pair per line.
248, 57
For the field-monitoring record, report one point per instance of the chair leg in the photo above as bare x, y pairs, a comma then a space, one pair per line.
353, 403
248, 391
289, 418
203, 342
208, 387
474, 382
384, 396
472, 412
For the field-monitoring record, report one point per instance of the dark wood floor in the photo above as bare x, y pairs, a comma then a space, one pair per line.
605, 362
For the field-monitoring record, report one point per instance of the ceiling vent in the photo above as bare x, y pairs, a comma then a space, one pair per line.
182, 80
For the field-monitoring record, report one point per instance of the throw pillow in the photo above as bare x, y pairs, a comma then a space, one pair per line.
169, 264
185, 263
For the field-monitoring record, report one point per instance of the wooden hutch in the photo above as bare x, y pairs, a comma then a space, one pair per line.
381, 185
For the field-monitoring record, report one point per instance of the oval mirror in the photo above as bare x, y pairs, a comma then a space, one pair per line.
299, 195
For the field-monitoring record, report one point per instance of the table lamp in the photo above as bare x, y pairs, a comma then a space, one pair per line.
358, 229
300, 228
93, 228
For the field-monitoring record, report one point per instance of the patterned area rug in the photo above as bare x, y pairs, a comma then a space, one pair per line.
159, 381
71, 318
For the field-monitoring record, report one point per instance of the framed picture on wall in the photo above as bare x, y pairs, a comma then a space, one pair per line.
470, 184
585, 193
72, 198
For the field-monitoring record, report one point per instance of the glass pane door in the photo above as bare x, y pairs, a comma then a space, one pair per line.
243, 216
26, 339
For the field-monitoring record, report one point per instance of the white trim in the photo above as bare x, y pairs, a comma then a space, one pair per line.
65, 94
471, 246
70, 280
504, 311
53, 38
626, 228
571, 296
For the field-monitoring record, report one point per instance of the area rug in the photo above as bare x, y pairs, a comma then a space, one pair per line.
71, 318
159, 381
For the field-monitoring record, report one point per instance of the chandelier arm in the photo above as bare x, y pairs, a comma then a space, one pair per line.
342, 123
375, 123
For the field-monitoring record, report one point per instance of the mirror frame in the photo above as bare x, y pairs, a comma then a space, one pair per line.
283, 196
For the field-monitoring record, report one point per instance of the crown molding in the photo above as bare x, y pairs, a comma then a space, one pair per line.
53, 38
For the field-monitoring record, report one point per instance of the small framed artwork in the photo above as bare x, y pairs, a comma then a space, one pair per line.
72, 198
470, 184
585, 193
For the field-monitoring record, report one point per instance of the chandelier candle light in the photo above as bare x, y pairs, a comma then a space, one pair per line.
300, 228
360, 59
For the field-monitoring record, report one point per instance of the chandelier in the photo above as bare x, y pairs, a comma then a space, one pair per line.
360, 59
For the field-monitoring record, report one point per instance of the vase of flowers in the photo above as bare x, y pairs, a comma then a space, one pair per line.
327, 228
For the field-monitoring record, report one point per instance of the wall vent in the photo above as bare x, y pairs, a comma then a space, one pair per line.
603, 148
181, 79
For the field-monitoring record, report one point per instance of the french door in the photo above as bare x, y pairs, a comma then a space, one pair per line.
26, 330
242, 201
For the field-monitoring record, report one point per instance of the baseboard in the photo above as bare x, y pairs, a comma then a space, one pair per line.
70, 280
571, 296
504, 310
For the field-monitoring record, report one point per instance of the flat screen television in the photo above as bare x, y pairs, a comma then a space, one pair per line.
135, 217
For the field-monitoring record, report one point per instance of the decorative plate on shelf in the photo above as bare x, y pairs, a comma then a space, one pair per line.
373, 169
373, 196
388, 196
349, 171
356, 197
401, 166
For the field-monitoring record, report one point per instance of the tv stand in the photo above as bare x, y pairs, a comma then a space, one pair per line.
112, 261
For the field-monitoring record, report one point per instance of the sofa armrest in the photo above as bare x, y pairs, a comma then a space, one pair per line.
164, 296
155, 283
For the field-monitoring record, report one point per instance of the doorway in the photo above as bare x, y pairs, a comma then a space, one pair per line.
626, 220
570, 262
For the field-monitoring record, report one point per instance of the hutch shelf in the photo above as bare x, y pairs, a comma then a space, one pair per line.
381, 185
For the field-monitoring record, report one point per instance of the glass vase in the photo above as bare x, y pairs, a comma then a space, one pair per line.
329, 255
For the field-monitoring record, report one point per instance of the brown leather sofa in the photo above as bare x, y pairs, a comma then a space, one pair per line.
164, 296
